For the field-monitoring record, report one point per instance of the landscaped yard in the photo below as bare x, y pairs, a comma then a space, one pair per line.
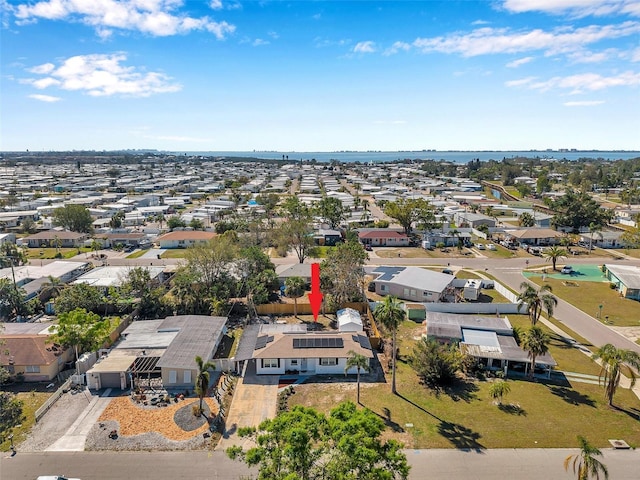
48, 253
543, 415
588, 296
31, 401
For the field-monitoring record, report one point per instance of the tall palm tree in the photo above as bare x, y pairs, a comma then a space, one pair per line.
594, 229
202, 380
360, 362
536, 342
536, 301
615, 361
585, 464
391, 314
294, 287
554, 254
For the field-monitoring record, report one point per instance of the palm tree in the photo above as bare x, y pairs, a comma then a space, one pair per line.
391, 314
498, 390
360, 362
52, 287
614, 362
554, 254
594, 229
294, 287
536, 342
585, 464
202, 380
536, 300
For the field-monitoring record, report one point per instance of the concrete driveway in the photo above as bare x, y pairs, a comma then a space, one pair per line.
255, 400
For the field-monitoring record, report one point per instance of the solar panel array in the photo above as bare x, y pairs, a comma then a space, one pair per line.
318, 342
262, 341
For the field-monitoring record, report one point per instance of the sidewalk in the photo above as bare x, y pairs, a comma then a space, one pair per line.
76, 436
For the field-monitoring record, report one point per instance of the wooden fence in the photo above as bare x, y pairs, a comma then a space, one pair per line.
303, 308
52, 399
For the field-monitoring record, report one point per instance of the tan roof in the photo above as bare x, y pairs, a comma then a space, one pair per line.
51, 234
282, 346
28, 350
529, 233
187, 235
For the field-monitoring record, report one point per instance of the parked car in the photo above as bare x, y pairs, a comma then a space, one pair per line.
491, 246
480, 246
567, 270
448, 271
368, 248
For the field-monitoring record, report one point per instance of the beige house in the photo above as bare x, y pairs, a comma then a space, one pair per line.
34, 356
184, 238
53, 238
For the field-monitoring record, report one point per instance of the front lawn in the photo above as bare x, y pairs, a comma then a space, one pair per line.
543, 415
31, 401
49, 253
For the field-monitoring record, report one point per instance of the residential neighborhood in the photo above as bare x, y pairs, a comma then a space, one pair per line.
132, 283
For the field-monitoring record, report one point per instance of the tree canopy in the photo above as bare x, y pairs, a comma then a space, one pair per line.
303, 444
407, 211
73, 217
342, 273
575, 210
81, 330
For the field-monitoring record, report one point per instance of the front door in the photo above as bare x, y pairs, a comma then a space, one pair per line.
303, 365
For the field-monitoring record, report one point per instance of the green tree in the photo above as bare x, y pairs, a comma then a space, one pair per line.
117, 219
585, 464
536, 342
390, 314
554, 254
577, 210
408, 211
51, 288
10, 413
536, 301
499, 389
211, 262
294, 287
78, 295
342, 273
196, 224
332, 211
614, 362
176, 222
73, 217
303, 444
12, 300
28, 225
436, 364
359, 362
81, 330
296, 230
594, 230
526, 220
202, 379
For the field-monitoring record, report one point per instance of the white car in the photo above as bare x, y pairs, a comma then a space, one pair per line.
491, 246
55, 477
567, 270
480, 246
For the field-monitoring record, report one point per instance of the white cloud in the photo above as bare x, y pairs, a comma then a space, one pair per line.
45, 98
575, 8
635, 55
215, 5
259, 42
153, 17
484, 41
398, 47
43, 69
365, 47
518, 62
584, 103
585, 56
580, 82
103, 75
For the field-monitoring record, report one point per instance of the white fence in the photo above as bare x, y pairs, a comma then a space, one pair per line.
474, 308
506, 293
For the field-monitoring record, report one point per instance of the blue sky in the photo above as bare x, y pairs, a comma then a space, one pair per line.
217, 75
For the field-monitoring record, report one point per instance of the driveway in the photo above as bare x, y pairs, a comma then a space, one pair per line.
255, 400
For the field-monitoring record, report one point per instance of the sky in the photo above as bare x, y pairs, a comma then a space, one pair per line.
319, 76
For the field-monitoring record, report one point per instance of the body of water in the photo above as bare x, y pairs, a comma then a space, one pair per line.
451, 156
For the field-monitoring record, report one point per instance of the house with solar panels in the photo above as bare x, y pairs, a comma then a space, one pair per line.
411, 283
279, 351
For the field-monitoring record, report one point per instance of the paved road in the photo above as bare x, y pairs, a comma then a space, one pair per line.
511, 464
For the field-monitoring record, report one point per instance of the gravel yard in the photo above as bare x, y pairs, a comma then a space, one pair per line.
56, 421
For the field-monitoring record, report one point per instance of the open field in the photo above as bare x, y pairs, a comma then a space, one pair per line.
535, 414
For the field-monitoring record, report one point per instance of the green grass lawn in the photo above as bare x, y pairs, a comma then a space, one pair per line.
174, 253
49, 253
550, 415
588, 296
31, 401
138, 254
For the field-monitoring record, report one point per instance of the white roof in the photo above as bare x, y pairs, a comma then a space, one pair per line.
348, 315
112, 276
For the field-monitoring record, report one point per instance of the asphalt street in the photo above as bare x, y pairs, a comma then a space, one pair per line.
508, 464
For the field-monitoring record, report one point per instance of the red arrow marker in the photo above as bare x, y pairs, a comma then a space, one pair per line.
315, 297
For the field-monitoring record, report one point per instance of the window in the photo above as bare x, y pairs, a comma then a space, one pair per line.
33, 369
294, 362
413, 293
383, 288
270, 363
405, 292
173, 376
426, 294
187, 376
328, 362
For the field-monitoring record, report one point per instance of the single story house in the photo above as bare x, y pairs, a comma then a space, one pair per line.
53, 238
411, 283
534, 236
626, 278
116, 275
603, 239
164, 349
308, 353
328, 237
302, 270
383, 238
434, 238
488, 339
473, 220
33, 356
184, 238
109, 240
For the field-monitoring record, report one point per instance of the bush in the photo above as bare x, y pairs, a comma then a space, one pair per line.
613, 286
196, 410
436, 364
